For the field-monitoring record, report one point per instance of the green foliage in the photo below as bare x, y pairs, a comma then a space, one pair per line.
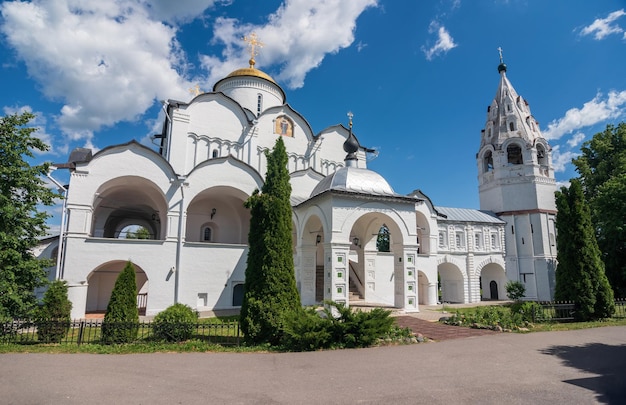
337, 327
602, 170
515, 290
580, 275
121, 319
489, 317
21, 224
270, 290
176, 324
140, 233
529, 310
53, 317
383, 239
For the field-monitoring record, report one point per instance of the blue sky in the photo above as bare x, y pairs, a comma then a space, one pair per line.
418, 75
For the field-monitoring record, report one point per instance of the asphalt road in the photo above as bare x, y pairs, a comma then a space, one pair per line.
574, 367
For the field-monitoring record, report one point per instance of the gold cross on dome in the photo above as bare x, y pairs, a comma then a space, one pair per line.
253, 43
195, 90
350, 115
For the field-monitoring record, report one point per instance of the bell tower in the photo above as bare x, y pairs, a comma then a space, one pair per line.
516, 181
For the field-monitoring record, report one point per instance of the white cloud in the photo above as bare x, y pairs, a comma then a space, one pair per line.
603, 27
575, 140
444, 43
297, 37
597, 110
107, 61
560, 184
562, 159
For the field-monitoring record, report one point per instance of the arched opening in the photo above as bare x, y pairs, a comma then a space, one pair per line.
218, 215
311, 280
422, 289
451, 283
125, 205
488, 162
423, 233
541, 156
376, 266
492, 280
514, 154
102, 280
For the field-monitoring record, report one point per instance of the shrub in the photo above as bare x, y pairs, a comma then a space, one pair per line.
488, 317
175, 324
515, 290
121, 320
336, 327
53, 317
530, 311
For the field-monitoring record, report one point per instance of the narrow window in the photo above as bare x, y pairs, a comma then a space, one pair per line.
458, 241
512, 230
206, 234
511, 126
493, 241
238, 295
215, 153
259, 104
441, 239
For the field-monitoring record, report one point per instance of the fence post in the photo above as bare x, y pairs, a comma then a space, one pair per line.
81, 330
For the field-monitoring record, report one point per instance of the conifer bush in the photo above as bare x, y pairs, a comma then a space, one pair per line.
175, 324
53, 317
336, 327
121, 320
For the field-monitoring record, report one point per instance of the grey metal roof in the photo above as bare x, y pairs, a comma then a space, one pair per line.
352, 179
469, 215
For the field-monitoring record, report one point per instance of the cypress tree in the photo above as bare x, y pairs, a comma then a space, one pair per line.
580, 275
270, 293
53, 317
121, 320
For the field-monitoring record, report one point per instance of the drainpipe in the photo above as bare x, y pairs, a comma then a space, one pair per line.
179, 244
59, 271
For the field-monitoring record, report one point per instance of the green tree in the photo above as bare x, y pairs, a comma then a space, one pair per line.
139, 233
515, 290
22, 190
53, 317
121, 320
270, 293
602, 170
383, 239
580, 275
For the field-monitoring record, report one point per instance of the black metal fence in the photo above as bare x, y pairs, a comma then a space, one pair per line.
24, 331
556, 311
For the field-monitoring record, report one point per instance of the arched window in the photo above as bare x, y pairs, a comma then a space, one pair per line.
383, 241
207, 234
514, 154
488, 162
442, 239
511, 126
237, 295
215, 153
494, 241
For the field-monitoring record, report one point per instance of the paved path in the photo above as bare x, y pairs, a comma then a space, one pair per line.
574, 367
438, 331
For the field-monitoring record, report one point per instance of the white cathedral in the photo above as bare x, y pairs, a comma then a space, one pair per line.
189, 195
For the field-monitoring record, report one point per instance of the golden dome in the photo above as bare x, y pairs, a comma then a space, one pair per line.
250, 71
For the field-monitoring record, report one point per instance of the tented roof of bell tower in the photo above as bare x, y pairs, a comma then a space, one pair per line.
509, 115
